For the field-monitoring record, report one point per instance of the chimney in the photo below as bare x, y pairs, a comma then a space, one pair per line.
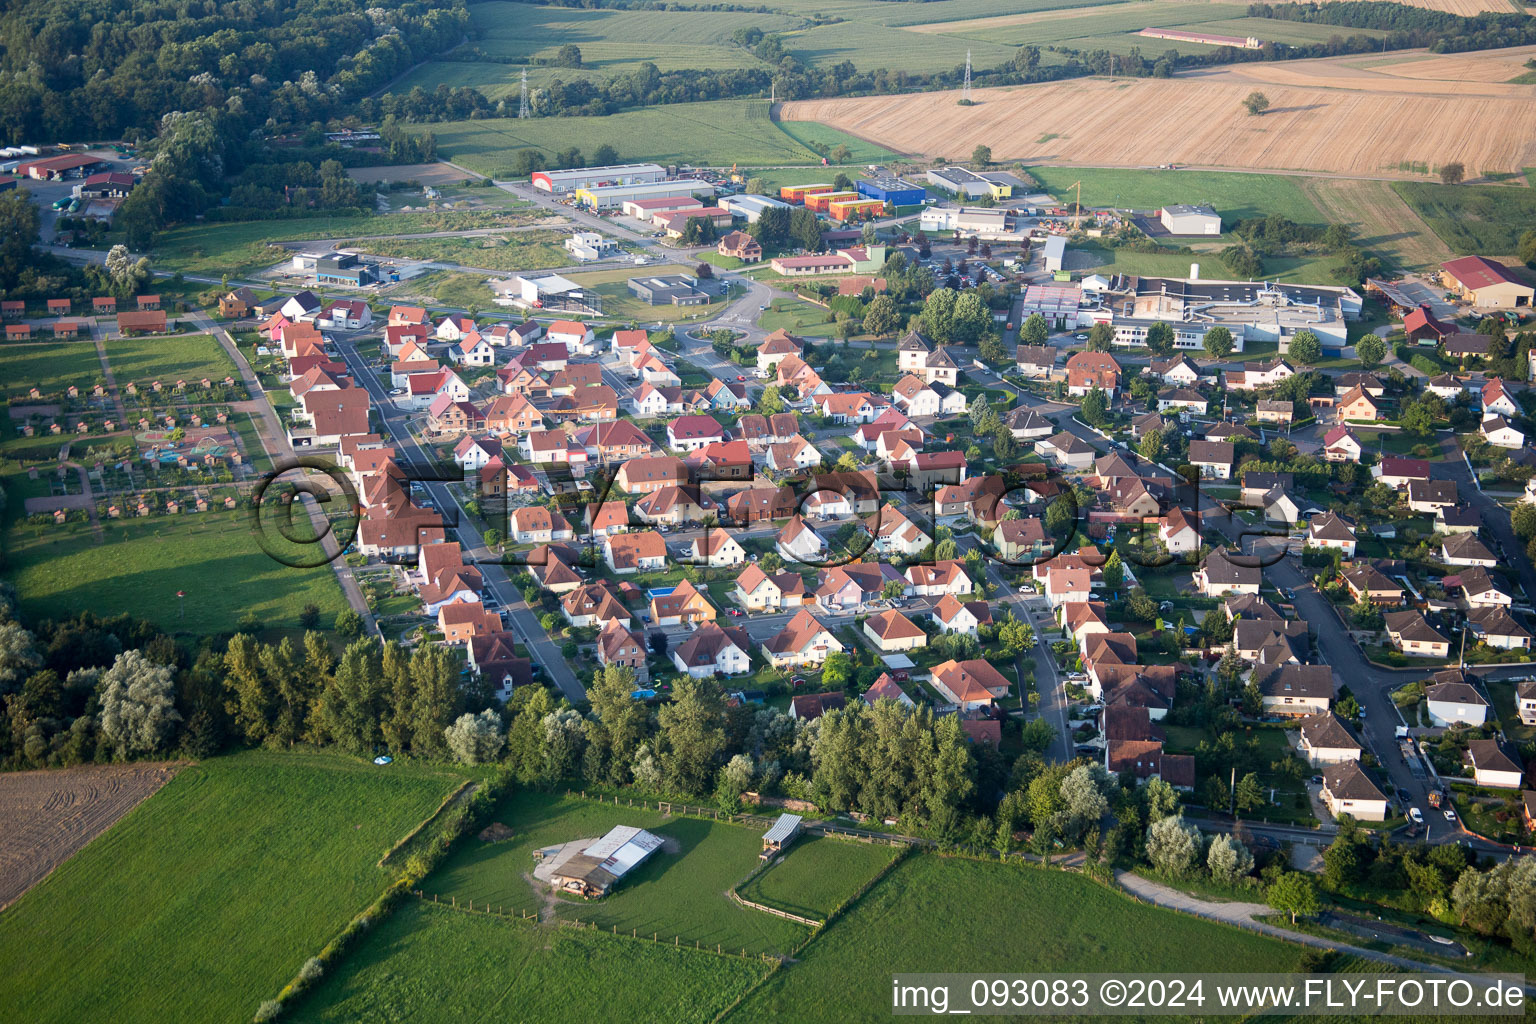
1194, 271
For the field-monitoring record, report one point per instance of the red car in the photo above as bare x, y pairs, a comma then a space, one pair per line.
741, 377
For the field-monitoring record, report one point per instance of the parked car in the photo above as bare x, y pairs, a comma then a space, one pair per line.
1415, 815
1450, 815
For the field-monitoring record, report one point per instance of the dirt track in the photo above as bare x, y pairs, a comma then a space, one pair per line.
46, 816
1325, 115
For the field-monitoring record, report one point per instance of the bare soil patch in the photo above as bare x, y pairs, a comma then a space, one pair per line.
427, 174
46, 816
495, 832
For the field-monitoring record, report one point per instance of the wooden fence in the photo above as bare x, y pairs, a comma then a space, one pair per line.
775, 911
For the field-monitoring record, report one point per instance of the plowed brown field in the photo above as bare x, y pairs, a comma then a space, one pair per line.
1324, 116
46, 816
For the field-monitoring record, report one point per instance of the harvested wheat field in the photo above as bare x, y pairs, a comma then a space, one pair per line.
1324, 116
1467, 8
46, 816
1382, 222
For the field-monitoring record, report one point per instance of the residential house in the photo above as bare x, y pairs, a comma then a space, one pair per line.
1178, 532
687, 433
1414, 636
938, 578
793, 456
891, 631
1332, 533
643, 551
1066, 450
1036, 362
803, 641
1499, 432
1341, 445
684, 605
776, 347
461, 620
1368, 583
1179, 371
1431, 495
646, 475
713, 650
807, 707
1025, 424
674, 505
1218, 576
605, 518
1492, 765
956, 616
1184, 399
1497, 400
845, 587
757, 591
1292, 689
970, 684
594, 604
573, 334
1348, 790
886, 688
716, 548
1454, 700
1496, 627
1020, 541
1261, 375
1212, 458
1276, 411
1466, 549
618, 645
798, 542
475, 453
740, 245
1398, 473
535, 524
1324, 740
1357, 404
512, 415
1089, 370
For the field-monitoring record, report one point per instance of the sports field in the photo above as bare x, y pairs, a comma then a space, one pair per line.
189, 358
429, 964
716, 132
204, 900
946, 914
51, 367
1325, 115
139, 564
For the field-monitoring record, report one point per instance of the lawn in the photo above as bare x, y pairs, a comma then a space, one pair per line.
1321, 270
1235, 196
817, 875
141, 564
797, 317
934, 914
674, 894
50, 368
435, 964
716, 132
204, 900
1473, 219
506, 252
189, 358
244, 247
871, 47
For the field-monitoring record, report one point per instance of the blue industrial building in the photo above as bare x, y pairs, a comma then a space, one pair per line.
895, 191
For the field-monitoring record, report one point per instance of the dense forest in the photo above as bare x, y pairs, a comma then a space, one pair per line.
72, 69
1410, 26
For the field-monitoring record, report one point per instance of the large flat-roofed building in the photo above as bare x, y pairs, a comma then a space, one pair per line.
1251, 310
593, 867
1054, 254
343, 268
534, 288
676, 289
591, 177
610, 197
750, 207
1190, 220
1058, 304
1004, 184
963, 183
971, 220
895, 191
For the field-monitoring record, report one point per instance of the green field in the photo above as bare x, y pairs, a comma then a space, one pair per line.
672, 894
817, 874
1104, 21
938, 914
429, 964
203, 901
51, 368
506, 252
189, 358
870, 47
451, 288
715, 132
797, 317
1485, 220
140, 564
1235, 196
243, 247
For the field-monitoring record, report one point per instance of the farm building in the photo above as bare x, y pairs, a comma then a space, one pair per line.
797, 193
1180, 35
892, 190
1190, 220
821, 200
594, 177
963, 183
855, 209
676, 289
611, 197
780, 834
54, 168
1484, 282
1054, 253
750, 208
593, 867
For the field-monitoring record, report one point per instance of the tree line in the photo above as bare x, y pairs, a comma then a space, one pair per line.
1440, 31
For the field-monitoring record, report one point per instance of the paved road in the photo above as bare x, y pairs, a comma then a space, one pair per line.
1495, 516
275, 440
523, 620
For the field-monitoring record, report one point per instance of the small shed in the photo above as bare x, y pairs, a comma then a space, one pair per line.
780, 834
